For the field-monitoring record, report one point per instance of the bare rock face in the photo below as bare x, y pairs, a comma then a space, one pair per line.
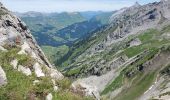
54, 73
136, 19
24, 70
38, 70
14, 32
3, 79
14, 63
135, 42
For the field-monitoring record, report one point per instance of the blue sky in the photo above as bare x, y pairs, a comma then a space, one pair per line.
69, 5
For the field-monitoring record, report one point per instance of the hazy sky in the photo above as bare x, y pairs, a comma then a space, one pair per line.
69, 5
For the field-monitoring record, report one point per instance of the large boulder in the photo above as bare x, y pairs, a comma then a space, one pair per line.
14, 33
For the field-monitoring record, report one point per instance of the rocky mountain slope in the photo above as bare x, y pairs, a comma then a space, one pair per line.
127, 60
44, 25
56, 31
25, 72
51, 25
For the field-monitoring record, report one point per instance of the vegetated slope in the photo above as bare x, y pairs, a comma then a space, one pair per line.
127, 60
53, 25
55, 53
47, 24
90, 14
45, 28
103, 17
25, 72
80, 30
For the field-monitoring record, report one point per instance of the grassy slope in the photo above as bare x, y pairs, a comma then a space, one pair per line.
44, 28
81, 46
57, 21
55, 53
139, 87
150, 41
20, 86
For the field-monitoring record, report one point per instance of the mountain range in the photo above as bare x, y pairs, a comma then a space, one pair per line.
56, 31
119, 55
128, 59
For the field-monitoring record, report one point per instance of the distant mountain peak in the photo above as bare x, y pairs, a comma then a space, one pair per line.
136, 4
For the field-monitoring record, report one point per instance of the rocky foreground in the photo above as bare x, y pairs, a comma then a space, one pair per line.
25, 72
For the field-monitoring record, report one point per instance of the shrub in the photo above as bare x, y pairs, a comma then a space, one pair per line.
25, 60
64, 83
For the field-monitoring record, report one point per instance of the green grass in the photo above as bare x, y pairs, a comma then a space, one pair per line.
133, 92
20, 86
118, 82
25, 60
64, 83
166, 29
148, 56
55, 53
81, 46
67, 95
132, 51
73, 71
58, 39
148, 35
149, 40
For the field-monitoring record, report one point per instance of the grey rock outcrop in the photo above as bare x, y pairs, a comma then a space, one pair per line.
49, 96
14, 32
135, 42
24, 70
3, 78
38, 70
137, 18
14, 63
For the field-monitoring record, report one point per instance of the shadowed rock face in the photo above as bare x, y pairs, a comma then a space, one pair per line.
14, 32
